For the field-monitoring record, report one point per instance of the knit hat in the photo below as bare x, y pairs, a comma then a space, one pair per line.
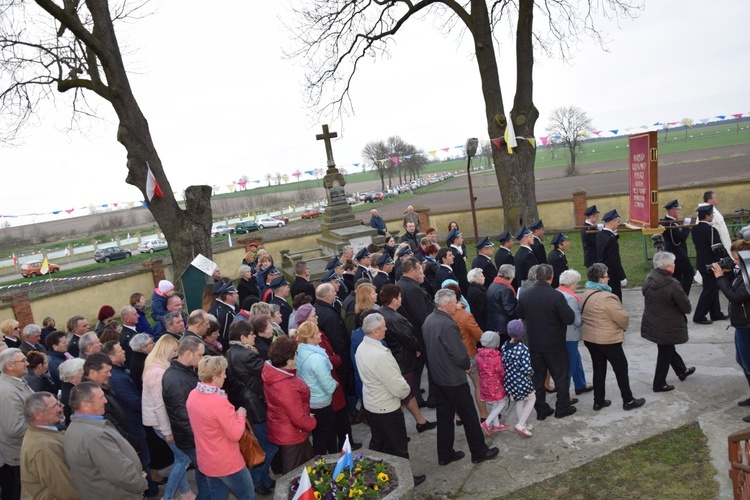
490, 339
303, 313
165, 287
515, 329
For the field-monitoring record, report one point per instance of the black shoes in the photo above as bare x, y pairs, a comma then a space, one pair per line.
746, 419
703, 321
636, 403
603, 404
419, 479
723, 317
574, 401
685, 375
491, 453
744, 402
541, 415
566, 412
263, 491
588, 388
457, 455
666, 388
426, 426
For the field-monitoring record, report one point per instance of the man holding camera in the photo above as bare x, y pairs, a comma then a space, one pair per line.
675, 241
704, 236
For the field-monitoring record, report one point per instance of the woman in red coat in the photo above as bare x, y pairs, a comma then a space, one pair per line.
288, 397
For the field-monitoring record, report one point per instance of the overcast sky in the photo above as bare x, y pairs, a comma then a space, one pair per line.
222, 101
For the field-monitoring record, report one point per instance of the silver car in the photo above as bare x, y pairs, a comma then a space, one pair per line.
151, 246
268, 222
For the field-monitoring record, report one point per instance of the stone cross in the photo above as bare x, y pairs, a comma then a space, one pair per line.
327, 136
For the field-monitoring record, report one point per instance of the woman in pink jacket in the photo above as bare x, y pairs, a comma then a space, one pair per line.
218, 429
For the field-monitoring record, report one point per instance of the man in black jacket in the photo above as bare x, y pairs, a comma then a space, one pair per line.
410, 236
483, 260
675, 241
455, 241
363, 265
280, 287
178, 381
223, 309
589, 240
547, 315
537, 246
503, 254
524, 258
608, 252
301, 283
557, 258
705, 235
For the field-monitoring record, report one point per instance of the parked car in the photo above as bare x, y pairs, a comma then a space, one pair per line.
269, 222
220, 229
281, 218
309, 214
351, 201
111, 253
32, 269
371, 197
245, 227
151, 246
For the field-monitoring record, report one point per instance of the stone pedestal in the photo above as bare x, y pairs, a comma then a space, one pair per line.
404, 491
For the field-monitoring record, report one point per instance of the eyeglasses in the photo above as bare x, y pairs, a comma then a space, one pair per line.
19, 361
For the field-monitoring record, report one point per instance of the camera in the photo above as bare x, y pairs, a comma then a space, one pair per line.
725, 261
658, 242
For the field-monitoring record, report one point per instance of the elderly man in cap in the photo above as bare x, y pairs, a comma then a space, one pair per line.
524, 258
589, 239
331, 278
385, 266
271, 274
675, 241
483, 260
363, 265
455, 241
608, 252
336, 268
537, 246
410, 236
704, 236
280, 291
503, 254
224, 309
377, 222
557, 258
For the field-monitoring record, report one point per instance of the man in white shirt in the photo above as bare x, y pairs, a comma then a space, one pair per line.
711, 198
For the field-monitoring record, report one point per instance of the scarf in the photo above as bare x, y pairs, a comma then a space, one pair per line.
502, 281
210, 389
598, 286
567, 290
243, 345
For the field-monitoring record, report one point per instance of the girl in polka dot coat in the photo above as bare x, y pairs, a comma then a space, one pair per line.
518, 373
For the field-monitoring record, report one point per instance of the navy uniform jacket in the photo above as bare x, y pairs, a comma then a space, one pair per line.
705, 235
379, 280
608, 253
538, 248
444, 273
559, 263
503, 256
674, 239
589, 244
524, 260
459, 269
488, 268
286, 311
301, 285
362, 272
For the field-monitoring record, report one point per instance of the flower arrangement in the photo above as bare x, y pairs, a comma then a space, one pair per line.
369, 479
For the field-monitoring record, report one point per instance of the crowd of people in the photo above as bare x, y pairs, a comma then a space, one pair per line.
97, 412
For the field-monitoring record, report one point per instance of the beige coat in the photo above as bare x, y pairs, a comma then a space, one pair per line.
13, 393
604, 319
44, 472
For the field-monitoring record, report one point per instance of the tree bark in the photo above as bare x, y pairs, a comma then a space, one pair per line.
515, 172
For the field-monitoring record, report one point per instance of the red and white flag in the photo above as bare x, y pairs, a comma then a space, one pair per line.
305, 489
152, 187
15, 260
67, 254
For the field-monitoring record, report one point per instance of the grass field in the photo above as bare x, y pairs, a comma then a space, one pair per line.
675, 464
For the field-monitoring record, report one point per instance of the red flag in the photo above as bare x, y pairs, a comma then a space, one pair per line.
304, 490
152, 187
497, 142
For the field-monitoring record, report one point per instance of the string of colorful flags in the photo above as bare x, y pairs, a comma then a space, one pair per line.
50, 280
510, 140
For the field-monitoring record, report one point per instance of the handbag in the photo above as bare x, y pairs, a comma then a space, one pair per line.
250, 447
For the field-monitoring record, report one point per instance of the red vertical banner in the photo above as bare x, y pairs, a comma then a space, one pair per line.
644, 179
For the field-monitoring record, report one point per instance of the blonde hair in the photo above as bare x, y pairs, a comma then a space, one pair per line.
8, 326
306, 331
211, 367
162, 351
260, 308
363, 299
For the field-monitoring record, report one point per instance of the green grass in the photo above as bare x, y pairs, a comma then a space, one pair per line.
674, 464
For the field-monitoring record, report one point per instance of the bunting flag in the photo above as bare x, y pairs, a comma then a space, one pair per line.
382, 162
433, 153
615, 131
445, 149
45, 266
67, 254
498, 142
544, 140
304, 489
394, 159
152, 186
230, 188
52, 280
597, 132
69, 211
532, 141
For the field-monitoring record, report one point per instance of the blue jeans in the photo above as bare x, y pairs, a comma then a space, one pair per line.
240, 484
204, 490
177, 477
576, 366
742, 345
259, 473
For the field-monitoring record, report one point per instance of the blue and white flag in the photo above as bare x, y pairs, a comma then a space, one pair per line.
345, 460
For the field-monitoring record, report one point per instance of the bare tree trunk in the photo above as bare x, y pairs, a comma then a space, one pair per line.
515, 172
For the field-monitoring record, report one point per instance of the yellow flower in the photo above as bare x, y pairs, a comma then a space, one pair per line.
317, 495
383, 477
358, 469
351, 493
340, 477
375, 487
